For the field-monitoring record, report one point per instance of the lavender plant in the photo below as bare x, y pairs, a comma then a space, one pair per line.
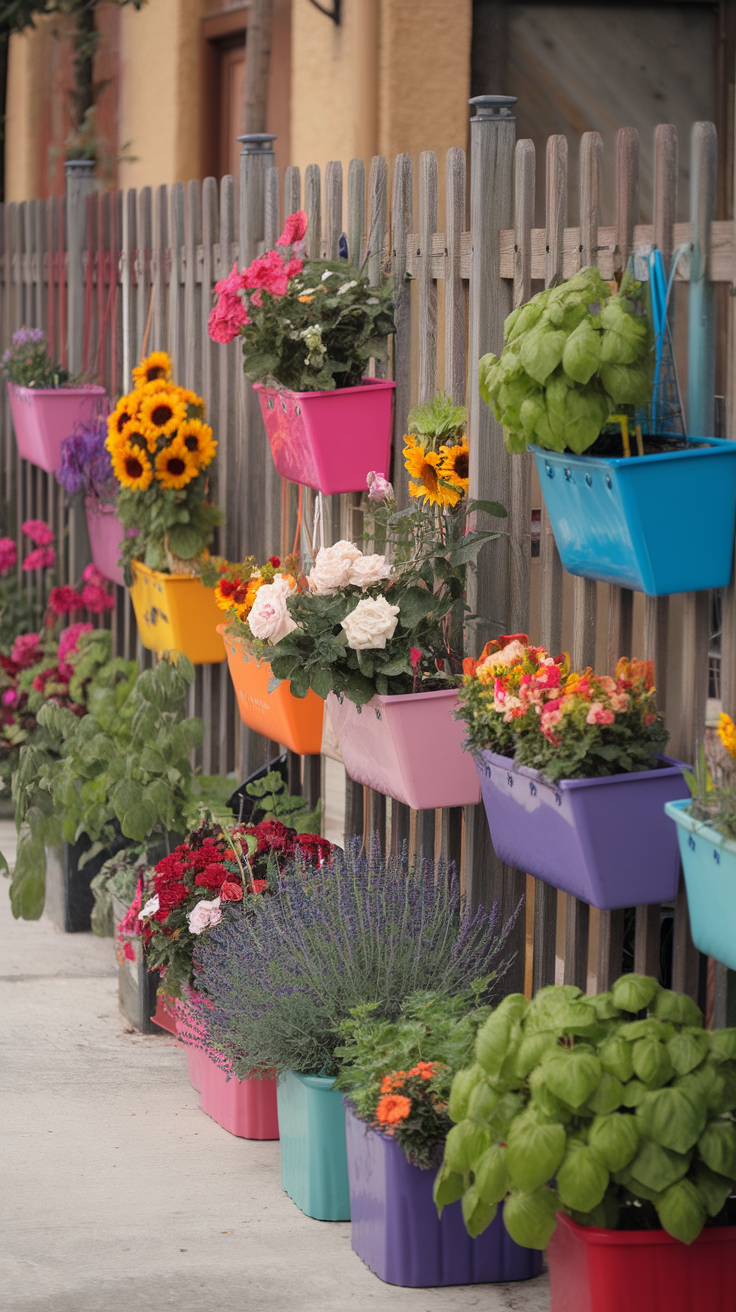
27, 363
86, 465
275, 986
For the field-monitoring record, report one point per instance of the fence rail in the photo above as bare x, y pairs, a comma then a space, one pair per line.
145, 263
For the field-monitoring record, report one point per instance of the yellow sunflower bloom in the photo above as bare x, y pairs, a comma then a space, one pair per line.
727, 733
131, 467
155, 367
193, 401
425, 466
455, 465
162, 413
198, 440
125, 410
137, 434
175, 466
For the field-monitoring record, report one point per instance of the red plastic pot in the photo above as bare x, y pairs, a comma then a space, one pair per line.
594, 1270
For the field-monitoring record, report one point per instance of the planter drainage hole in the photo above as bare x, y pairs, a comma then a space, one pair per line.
269, 403
378, 713
510, 780
608, 481
716, 856
283, 406
550, 471
532, 790
558, 799
297, 409
588, 480
691, 842
568, 476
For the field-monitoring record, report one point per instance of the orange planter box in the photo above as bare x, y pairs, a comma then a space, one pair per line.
175, 612
294, 721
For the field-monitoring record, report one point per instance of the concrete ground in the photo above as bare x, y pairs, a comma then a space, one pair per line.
117, 1192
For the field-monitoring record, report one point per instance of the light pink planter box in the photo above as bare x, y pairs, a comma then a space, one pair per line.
44, 416
106, 534
408, 747
246, 1108
329, 441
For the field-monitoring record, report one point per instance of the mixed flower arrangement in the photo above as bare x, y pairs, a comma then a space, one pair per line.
393, 622
519, 701
307, 326
253, 597
160, 447
27, 362
713, 782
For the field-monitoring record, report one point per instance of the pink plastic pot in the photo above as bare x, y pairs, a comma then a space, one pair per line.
407, 746
246, 1108
329, 441
43, 417
106, 534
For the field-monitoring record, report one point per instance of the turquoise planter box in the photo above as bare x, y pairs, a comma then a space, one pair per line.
709, 866
314, 1158
625, 521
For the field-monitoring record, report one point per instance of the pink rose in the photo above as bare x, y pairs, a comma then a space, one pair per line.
379, 488
269, 618
294, 229
38, 531
8, 555
204, 914
10, 697
41, 558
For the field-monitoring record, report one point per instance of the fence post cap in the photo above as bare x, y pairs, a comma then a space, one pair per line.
494, 106
81, 165
256, 143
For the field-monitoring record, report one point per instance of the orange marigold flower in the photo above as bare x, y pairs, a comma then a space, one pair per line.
392, 1108
423, 1068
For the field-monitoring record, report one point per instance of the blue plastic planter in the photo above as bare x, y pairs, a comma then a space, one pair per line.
314, 1159
709, 866
628, 521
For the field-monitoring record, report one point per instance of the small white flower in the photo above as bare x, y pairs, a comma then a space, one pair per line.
205, 913
151, 907
328, 273
366, 570
346, 287
371, 624
331, 569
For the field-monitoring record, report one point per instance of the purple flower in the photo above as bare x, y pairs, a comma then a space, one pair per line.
26, 336
85, 461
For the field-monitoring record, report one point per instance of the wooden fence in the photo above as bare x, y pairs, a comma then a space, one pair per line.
101, 270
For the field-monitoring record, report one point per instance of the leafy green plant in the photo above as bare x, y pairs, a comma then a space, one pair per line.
272, 801
415, 1057
118, 876
122, 768
573, 354
618, 1109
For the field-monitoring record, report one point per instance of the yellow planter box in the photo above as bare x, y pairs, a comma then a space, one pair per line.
176, 612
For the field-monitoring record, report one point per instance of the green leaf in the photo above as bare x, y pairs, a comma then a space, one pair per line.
723, 1044
448, 1187
493, 1042
677, 1007
615, 1057
581, 1179
492, 1175
651, 1062
535, 1150
462, 1087
573, 1075
493, 508
634, 992
607, 1097
532, 1049
688, 1049
671, 1119
530, 1218
465, 1143
682, 1211
477, 1214
658, 1167
483, 1103
416, 603
713, 1189
614, 1140
717, 1147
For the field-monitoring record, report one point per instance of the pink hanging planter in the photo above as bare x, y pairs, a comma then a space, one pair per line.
329, 441
106, 535
407, 746
44, 416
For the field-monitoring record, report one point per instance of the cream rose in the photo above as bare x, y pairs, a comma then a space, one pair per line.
367, 570
205, 913
269, 618
371, 623
331, 569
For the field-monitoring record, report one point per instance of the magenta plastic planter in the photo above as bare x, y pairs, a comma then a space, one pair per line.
43, 417
396, 1231
407, 746
606, 841
329, 441
246, 1108
106, 534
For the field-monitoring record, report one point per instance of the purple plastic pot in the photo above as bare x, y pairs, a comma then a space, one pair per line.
44, 416
105, 536
606, 841
396, 1231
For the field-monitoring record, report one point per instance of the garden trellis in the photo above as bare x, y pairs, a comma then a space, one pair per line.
102, 272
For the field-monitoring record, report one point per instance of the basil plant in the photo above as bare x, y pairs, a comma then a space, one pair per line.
617, 1109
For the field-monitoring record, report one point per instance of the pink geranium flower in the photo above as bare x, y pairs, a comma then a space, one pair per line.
96, 599
26, 650
67, 644
8, 555
227, 318
294, 229
91, 574
41, 558
268, 272
38, 531
64, 599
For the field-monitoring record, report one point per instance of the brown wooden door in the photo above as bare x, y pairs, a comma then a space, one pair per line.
230, 56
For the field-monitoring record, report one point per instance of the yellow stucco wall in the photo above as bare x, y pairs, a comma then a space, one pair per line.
22, 125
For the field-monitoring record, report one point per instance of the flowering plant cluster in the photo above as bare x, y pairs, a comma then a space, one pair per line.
27, 363
713, 782
215, 866
305, 326
160, 447
519, 701
21, 607
394, 622
398, 1073
253, 597
86, 464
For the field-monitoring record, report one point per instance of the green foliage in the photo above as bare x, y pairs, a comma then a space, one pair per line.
122, 768
432, 1027
620, 1121
438, 421
27, 362
118, 876
273, 801
181, 519
321, 334
573, 354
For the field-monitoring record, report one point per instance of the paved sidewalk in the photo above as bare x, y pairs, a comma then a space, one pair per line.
117, 1192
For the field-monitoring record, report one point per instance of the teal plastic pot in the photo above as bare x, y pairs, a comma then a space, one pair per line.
709, 867
314, 1159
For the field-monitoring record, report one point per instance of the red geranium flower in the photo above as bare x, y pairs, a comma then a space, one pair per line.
213, 875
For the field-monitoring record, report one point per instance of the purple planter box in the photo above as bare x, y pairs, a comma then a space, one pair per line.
607, 841
396, 1231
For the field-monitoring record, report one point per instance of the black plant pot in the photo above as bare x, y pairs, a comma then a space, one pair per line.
69, 898
137, 984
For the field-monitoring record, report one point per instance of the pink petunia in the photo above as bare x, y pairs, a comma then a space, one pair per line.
38, 531
8, 555
294, 229
41, 558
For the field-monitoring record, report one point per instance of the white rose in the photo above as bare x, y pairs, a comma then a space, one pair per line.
269, 618
331, 569
367, 570
371, 623
205, 913
150, 908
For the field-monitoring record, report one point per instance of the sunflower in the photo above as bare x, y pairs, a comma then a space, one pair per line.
162, 413
154, 367
131, 467
125, 410
197, 438
193, 401
137, 434
175, 466
425, 465
455, 466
